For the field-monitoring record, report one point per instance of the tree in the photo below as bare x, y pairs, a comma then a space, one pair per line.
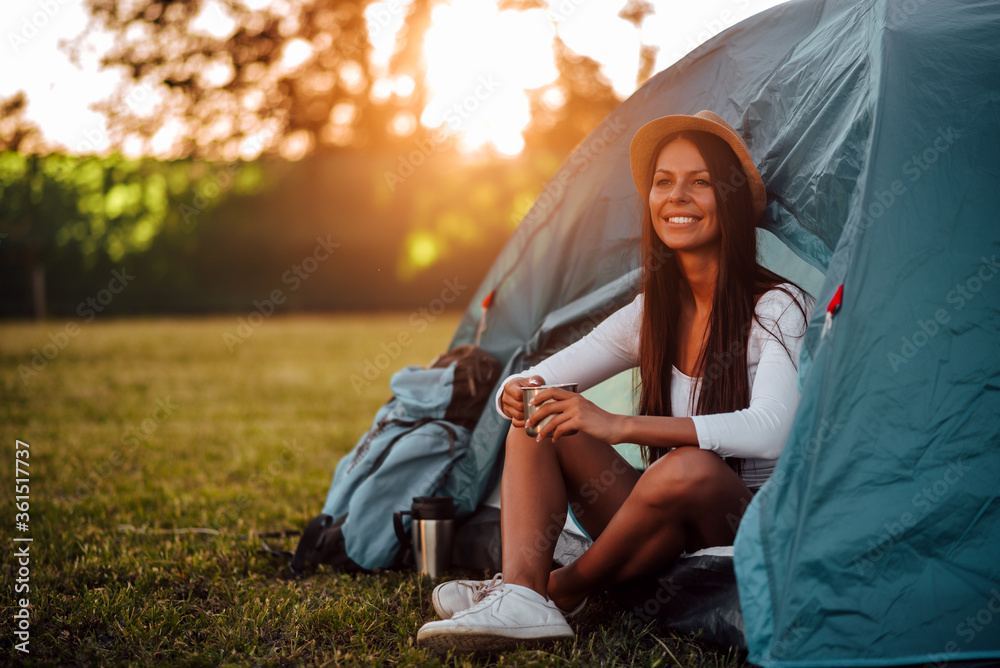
635, 12
217, 79
16, 132
562, 114
289, 77
95, 211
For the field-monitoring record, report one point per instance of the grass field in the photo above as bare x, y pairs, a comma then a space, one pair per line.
157, 456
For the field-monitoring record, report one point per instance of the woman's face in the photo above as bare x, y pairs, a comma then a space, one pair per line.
682, 199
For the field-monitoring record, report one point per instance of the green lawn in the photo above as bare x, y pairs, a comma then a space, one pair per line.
141, 431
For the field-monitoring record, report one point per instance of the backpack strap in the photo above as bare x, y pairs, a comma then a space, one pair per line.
413, 426
322, 542
373, 433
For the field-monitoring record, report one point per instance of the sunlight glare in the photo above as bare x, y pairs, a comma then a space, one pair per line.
554, 98
479, 64
352, 77
617, 49
403, 124
296, 52
213, 21
296, 145
384, 20
510, 144
217, 73
255, 4
423, 249
403, 86
343, 113
381, 90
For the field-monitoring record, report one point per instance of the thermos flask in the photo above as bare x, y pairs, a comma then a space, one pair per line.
432, 530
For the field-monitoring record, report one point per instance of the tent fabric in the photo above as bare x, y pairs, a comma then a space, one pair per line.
876, 128
876, 541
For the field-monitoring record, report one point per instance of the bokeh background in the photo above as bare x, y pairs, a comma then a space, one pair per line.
224, 224
205, 146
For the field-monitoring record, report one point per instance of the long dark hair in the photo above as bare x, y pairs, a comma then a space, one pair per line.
722, 362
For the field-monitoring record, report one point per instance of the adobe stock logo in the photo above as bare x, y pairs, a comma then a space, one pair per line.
462, 110
88, 310
293, 277
419, 320
46, 10
959, 296
923, 503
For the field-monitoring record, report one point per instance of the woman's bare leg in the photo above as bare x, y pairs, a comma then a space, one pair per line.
539, 479
688, 500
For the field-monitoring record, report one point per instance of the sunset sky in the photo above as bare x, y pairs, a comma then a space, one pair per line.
468, 39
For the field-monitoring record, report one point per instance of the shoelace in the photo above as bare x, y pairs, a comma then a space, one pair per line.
481, 593
482, 590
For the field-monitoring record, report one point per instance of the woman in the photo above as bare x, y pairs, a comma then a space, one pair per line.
715, 337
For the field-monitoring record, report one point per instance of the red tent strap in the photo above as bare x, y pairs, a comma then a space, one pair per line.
487, 302
832, 309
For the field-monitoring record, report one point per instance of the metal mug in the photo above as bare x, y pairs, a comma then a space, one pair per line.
432, 531
528, 392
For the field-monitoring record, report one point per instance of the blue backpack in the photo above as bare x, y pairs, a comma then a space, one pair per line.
412, 449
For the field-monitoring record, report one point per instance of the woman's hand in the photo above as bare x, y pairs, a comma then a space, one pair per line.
572, 413
512, 399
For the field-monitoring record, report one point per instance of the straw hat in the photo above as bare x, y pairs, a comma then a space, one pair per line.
650, 134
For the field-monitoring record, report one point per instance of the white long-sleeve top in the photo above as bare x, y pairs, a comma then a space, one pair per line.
757, 433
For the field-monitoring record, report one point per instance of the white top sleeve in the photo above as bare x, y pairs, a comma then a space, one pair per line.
760, 430
756, 432
610, 348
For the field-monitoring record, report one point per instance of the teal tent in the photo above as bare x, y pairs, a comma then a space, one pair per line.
876, 127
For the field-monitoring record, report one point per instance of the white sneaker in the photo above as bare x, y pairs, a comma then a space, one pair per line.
503, 619
457, 595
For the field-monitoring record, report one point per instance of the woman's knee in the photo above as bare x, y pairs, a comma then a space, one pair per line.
524, 448
684, 475
573, 446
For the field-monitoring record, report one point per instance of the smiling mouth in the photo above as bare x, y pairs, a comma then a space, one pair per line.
682, 220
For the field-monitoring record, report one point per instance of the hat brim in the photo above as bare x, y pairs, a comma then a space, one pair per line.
648, 138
